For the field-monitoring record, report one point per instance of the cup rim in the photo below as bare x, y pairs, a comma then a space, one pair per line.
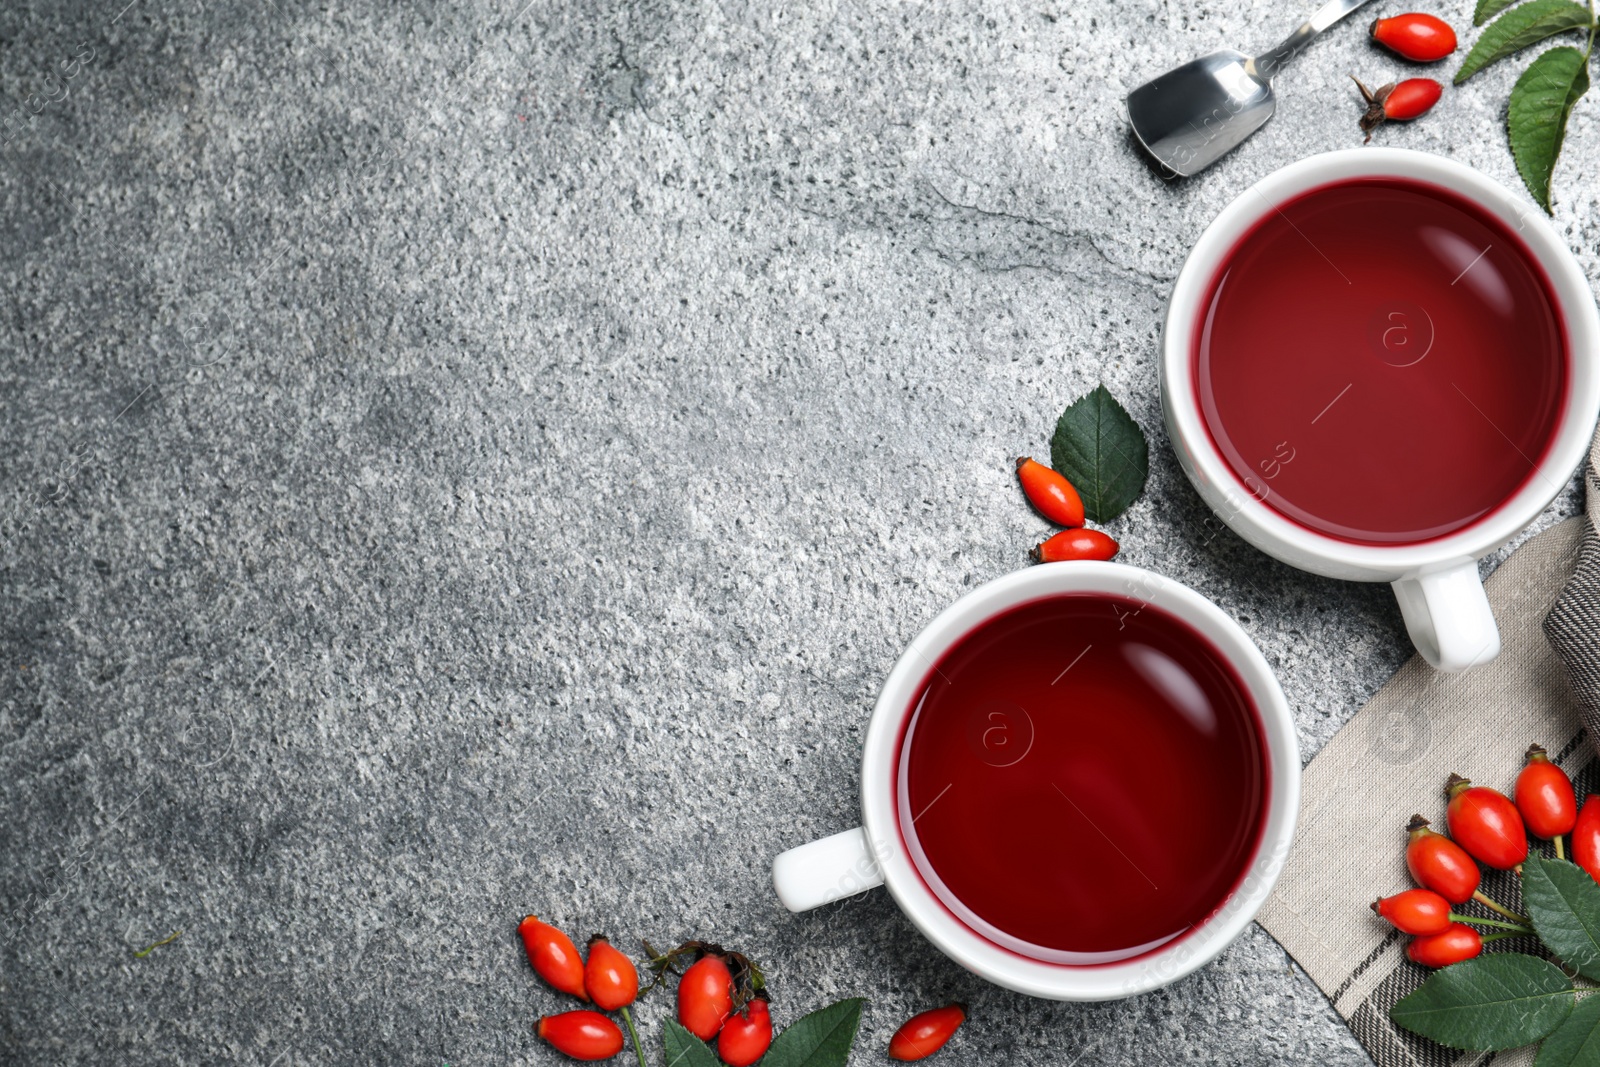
1000, 965
1312, 549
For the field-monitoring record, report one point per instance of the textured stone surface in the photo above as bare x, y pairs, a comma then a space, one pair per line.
465, 461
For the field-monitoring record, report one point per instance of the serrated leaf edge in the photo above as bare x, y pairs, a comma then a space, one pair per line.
1478, 964
674, 1029
1539, 184
1546, 1048
1136, 470
1542, 865
774, 1057
1488, 9
1504, 37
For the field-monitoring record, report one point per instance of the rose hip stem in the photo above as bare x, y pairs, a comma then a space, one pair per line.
1508, 933
1518, 927
1490, 903
633, 1035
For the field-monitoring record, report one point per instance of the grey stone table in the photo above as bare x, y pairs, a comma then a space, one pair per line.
462, 460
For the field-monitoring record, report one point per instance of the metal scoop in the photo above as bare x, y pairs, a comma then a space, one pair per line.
1191, 116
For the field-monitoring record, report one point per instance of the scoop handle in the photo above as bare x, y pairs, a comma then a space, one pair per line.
1268, 62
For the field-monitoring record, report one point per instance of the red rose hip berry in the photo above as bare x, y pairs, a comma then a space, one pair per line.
1411, 99
583, 1035
923, 1035
1074, 544
1439, 864
1408, 100
1459, 942
1586, 837
1544, 798
1416, 911
746, 1035
1422, 38
1485, 823
553, 955
1050, 493
705, 997
609, 977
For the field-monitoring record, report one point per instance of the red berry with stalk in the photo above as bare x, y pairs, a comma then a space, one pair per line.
1439, 864
612, 982
1586, 837
610, 978
746, 1035
1459, 942
583, 1035
1417, 37
1423, 912
1050, 493
1545, 799
924, 1034
1416, 911
553, 956
1485, 823
1408, 100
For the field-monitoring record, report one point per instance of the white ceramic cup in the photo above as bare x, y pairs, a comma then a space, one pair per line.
871, 855
1441, 597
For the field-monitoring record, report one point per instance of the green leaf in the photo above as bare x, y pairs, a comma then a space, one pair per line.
1102, 452
1577, 1042
821, 1039
1493, 1002
1564, 904
1520, 27
1537, 117
686, 1050
1488, 9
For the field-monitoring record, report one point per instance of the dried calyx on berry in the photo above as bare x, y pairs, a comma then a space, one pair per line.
1374, 114
1402, 101
748, 981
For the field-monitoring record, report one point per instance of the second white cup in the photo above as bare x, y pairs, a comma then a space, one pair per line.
1436, 581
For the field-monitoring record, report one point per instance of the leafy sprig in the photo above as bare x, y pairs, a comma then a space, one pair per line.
1543, 97
1489, 1003
1509, 999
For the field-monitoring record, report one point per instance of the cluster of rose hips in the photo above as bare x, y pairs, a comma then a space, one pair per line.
608, 980
1421, 39
1486, 827
722, 999
1054, 497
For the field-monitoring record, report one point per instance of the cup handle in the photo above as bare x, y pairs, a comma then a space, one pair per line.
1448, 616
823, 871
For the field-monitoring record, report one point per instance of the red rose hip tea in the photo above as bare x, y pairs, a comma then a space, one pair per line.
1381, 361
1082, 779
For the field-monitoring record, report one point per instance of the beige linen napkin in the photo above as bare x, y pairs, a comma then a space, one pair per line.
1392, 759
